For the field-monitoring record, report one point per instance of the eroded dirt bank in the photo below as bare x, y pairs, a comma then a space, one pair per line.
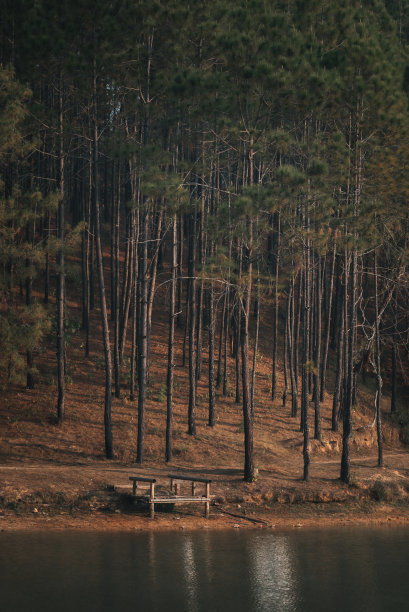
96, 496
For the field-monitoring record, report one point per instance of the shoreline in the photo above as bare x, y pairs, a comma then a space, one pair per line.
285, 518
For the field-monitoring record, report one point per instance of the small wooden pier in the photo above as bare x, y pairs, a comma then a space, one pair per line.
174, 496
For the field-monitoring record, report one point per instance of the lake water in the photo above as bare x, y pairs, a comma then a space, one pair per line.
349, 570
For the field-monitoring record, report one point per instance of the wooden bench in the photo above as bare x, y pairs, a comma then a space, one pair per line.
174, 496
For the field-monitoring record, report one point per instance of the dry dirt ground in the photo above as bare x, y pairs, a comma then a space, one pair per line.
56, 476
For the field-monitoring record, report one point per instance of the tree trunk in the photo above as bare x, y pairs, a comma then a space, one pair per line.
275, 318
394, 390
249, 471
104, 313
286, 355
152, 281
305, 354
142, 343
212, 395
29, 299
338, 377
291, 342
179, 275
115, 288
61, 273
192, 327
171, 364
253, 373
378, 366
329, 293
317, 352
221, 335
127, 291
349, 374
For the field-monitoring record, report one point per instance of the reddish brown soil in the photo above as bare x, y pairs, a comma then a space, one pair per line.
56, 475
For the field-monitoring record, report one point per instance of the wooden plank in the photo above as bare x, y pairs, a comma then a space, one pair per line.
180, 500
141, 479
190, 478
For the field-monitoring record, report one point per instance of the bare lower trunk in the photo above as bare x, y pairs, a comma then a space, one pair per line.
378, 368
329, 294
212, 395
291, 342
103, 305
317, 353
192, 328
142, 344
349, 374
61, 275
305, 353
171, 365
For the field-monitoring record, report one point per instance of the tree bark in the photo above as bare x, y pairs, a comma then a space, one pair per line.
305, 354
61, 271
348, 374
103, 305
249, 471
275, 312
142, 343
212, 395
329, 293
317, 352
378, 367
171, 364
192, 327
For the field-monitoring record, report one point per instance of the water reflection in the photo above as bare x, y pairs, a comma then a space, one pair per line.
189, 574
355, 570
271, 572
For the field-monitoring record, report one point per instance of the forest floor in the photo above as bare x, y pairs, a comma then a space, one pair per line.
55, 476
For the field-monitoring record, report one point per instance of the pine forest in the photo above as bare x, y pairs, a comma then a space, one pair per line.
204, 221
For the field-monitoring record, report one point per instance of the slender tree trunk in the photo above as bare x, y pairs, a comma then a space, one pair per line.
212, 394
187, 323
201, 249
61, 272
29, 300
221, 335
135, 308
142, 344
115, 288
86, 263
394, 390
338, 377
275, 319
378, 367
238, 335
253, 373
171, 364
226, 339
347, 404
317, 353
291, 342
47, 263
192, 328
286, 350
329, 293
297, 329
179, 275
152, 281
112, 243
305, 354
249, 471
128, 275
100, 267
